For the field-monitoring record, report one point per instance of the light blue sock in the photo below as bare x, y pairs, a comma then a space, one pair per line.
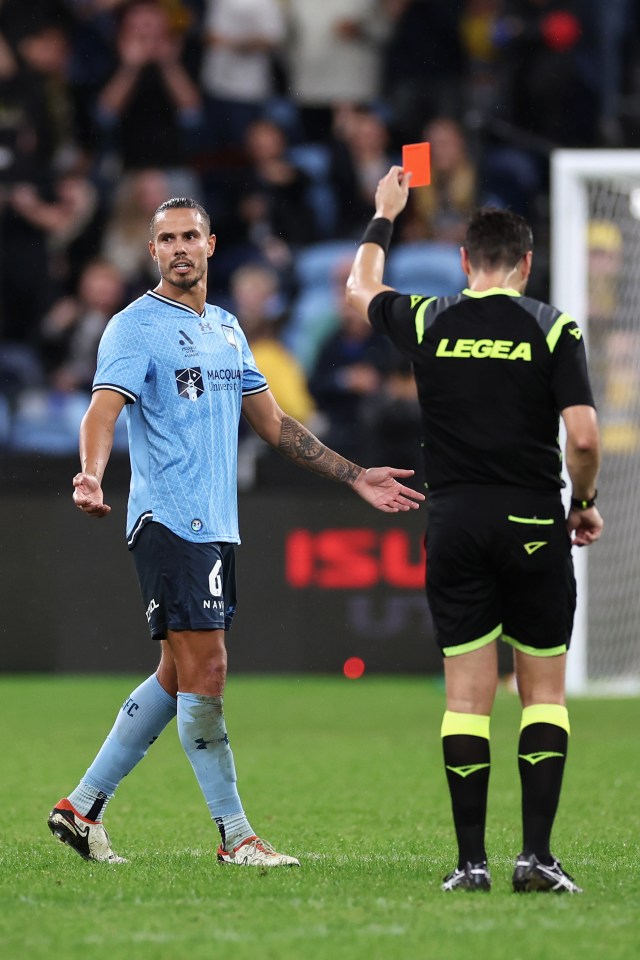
203, 736
141, 720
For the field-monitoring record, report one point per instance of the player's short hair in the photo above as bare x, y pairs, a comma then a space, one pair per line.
181, 203
497, 238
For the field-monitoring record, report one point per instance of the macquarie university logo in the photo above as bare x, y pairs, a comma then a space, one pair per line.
189, 383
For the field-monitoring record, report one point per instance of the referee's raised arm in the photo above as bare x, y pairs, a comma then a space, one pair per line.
365, 279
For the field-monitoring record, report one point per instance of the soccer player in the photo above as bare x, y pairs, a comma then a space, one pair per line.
185, 372
495, 370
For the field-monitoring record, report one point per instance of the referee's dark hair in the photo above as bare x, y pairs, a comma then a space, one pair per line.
497, 238
181, 203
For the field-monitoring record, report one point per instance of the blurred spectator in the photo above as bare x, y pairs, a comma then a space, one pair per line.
150, 110
254, 289
26, 148
19, 19
360, 157
481, 54
266, 210
423, 62
544, 89
441, 211
606, 253
26, 285
333, 55
93, 59
20, 369
36, 127
237, 70
620, 404
126, 235
393, 421
312, 315
71, 220
610, 25
274, 188
513, 176
256, 304
614, 344
45, 52
348, 375
605, 244
71, 330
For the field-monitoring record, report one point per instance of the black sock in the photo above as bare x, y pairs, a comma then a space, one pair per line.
542, 752
467, 762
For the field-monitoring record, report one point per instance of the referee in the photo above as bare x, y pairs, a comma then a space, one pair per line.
495, 370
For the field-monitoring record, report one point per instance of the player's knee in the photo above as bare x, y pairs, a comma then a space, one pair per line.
205, 676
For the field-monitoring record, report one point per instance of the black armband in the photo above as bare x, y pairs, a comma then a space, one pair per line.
379, 230
577, 504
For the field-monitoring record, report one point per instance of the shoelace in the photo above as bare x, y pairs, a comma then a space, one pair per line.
260, 845
561, 877
450, 881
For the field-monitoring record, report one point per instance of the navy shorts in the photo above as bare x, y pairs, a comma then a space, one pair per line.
185, 586
499, 565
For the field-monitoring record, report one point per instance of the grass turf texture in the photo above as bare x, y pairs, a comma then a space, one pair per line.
347, 776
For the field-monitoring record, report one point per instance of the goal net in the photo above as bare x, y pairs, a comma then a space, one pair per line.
595, 219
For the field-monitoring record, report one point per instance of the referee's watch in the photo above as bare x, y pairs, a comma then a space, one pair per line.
577, 504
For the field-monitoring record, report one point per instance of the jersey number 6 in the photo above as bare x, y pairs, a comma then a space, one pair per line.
215, 580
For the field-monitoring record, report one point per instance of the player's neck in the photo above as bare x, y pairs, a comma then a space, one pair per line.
195, 297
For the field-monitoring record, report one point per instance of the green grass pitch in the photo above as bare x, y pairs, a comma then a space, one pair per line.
346, 775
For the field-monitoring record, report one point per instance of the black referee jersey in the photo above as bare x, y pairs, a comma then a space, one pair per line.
493, 370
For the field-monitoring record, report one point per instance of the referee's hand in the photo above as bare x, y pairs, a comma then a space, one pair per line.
392, 193
585, 526
88, 496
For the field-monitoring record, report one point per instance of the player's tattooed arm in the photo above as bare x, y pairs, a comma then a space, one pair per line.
378, 486
299, 444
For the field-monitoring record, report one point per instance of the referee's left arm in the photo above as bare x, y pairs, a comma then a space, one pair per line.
365, 279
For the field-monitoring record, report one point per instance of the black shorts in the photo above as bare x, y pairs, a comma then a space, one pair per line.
185, 586
499, 565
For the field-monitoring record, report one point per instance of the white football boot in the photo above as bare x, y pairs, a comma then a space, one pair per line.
86, 837
254, 852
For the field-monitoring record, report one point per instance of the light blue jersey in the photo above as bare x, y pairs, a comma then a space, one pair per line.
183, 375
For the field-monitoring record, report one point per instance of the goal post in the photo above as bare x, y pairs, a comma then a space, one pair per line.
595, 277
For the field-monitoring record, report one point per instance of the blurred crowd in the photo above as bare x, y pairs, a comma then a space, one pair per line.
280, 116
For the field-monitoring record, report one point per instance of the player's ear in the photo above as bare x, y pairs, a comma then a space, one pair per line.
211, 244
152, 249
464, 261
526, 264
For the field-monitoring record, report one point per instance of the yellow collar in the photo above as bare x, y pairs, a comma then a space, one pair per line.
491, 292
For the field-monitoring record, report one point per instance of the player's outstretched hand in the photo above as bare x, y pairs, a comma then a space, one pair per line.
88, 496
379, 487
585, 526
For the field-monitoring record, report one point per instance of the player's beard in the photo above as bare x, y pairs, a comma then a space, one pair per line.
183, 283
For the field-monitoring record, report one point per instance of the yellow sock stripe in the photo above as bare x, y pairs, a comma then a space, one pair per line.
469, 724
553, 713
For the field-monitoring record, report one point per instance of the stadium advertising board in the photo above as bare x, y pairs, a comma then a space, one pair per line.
321, 578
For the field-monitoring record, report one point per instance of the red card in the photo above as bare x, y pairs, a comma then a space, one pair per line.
416, 159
